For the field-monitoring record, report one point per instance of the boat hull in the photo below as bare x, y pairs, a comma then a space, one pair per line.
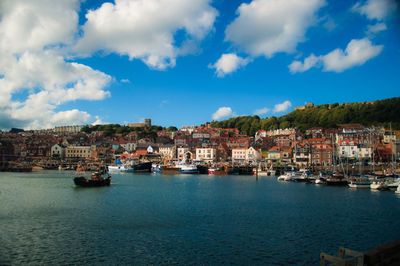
81, 181
142, 167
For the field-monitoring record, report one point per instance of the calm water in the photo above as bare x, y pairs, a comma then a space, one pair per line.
153, 219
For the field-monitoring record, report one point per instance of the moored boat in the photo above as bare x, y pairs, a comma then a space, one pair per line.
142, 167
336, 180
378, 185
188, 169
216, 171
360, 182
120, 168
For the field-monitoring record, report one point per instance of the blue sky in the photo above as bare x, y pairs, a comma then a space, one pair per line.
133, 69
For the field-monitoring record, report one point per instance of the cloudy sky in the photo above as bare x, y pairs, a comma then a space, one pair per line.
184, 62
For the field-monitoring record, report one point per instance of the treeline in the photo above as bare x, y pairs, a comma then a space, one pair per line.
112, 129
379, 113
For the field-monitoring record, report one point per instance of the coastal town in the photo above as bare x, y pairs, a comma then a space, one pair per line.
345, 148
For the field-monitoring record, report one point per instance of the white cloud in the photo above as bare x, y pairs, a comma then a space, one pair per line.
357, 53
282, 107
375, 28
267, 27
126, 81
98, 121
222, 112
261, 111
145, 29
309, 62
375, 9
229, 63
35, 79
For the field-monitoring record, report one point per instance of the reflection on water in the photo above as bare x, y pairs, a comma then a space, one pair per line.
155, 219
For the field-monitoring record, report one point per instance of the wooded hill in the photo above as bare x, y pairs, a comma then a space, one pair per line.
378, 113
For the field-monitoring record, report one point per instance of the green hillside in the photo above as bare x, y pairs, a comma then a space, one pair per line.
382, 112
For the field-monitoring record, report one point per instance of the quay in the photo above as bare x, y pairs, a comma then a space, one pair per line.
387, 255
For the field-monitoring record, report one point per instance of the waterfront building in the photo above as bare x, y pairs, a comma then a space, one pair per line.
274, 154
167, 151
184, 153
238, 155
302, 154
58, 151
286, 154
252, 155
206, 154
84, 152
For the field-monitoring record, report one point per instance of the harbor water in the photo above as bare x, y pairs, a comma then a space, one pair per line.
186, 219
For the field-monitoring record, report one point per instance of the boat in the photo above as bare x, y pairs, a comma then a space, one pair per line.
288, 176
394, 184
216, 171
360, 182
188, 169
397, 190
233, 171
336, 180
142, 167
156, 168
120, 168
302, 176
378, 185
99, 178
320, 181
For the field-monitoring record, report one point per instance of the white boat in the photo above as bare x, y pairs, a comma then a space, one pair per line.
320, 181
360, 183
378, 185
156, 168
188, 169
120, 168
394, 184
288, 176
397, 190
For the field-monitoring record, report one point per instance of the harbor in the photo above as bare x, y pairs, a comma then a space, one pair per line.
147, 218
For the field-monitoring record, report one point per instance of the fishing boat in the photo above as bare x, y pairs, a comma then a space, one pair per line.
99, 178
188, 169
142, 167
216, 171
120, 167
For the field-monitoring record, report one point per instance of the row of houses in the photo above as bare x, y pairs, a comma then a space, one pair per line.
316, 146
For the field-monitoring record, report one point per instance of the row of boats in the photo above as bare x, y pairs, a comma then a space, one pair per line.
373, 182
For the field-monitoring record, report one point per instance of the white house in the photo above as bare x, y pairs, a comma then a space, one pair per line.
252, 155
348, 151
206, 154
167, 151
58, 151
238, 155
184, 153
